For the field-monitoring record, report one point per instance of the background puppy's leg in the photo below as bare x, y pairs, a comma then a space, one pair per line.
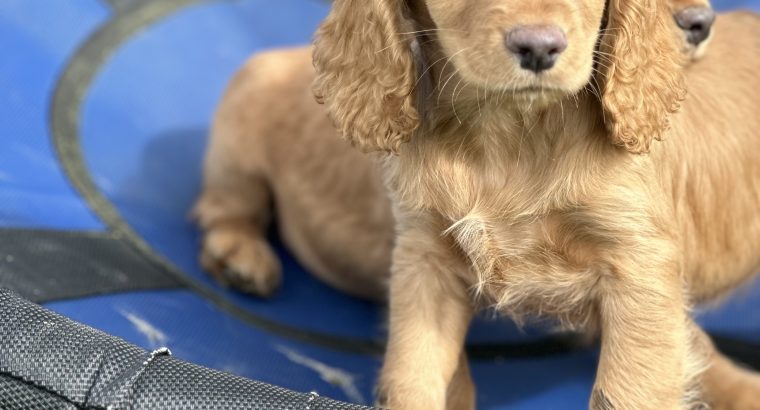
430, 311
461, 392
648, 357
234, 210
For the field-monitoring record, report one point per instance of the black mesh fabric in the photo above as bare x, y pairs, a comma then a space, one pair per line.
18, 395
50, 362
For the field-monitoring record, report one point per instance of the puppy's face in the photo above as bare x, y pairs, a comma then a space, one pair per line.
532, 50
526, 48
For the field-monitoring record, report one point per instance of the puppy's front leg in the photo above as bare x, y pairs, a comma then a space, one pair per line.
430, 311
647, 358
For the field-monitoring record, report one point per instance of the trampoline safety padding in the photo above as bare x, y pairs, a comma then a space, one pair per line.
50, 362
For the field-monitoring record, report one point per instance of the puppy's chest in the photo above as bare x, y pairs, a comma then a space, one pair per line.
520, 235
529, 266
523, 230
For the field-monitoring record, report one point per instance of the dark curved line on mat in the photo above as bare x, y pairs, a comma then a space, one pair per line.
64, 123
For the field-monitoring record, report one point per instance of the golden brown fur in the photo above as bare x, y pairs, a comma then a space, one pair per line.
521, 200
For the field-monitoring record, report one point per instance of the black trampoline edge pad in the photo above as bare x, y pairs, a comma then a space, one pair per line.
50, 362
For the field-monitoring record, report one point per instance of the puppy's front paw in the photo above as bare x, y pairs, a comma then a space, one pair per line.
238, 256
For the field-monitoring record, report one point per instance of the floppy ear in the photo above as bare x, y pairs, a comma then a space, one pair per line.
365, 73
643, 79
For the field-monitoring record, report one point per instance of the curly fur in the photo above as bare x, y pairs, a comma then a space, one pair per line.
643, 84
362, 61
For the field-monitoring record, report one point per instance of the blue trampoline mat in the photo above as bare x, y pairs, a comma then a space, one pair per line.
143, 128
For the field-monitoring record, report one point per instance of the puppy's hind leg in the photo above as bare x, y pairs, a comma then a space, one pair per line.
234, 211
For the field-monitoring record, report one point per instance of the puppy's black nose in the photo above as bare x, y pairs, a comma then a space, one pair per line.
537, 47
696, 22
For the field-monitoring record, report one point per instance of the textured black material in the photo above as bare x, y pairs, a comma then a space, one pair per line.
43, 266
18, 395
50, 362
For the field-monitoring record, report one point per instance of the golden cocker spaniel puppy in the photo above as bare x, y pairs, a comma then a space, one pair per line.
515, 181
359, 266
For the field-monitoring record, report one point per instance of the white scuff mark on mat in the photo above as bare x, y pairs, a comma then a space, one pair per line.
156, 337
337, 377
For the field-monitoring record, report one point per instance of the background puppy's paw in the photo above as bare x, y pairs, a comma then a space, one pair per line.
238, 256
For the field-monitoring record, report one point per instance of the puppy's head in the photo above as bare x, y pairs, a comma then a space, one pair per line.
695, 18
530, 49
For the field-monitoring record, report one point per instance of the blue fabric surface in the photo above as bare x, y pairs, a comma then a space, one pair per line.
727, 5
36, 42
144, 128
